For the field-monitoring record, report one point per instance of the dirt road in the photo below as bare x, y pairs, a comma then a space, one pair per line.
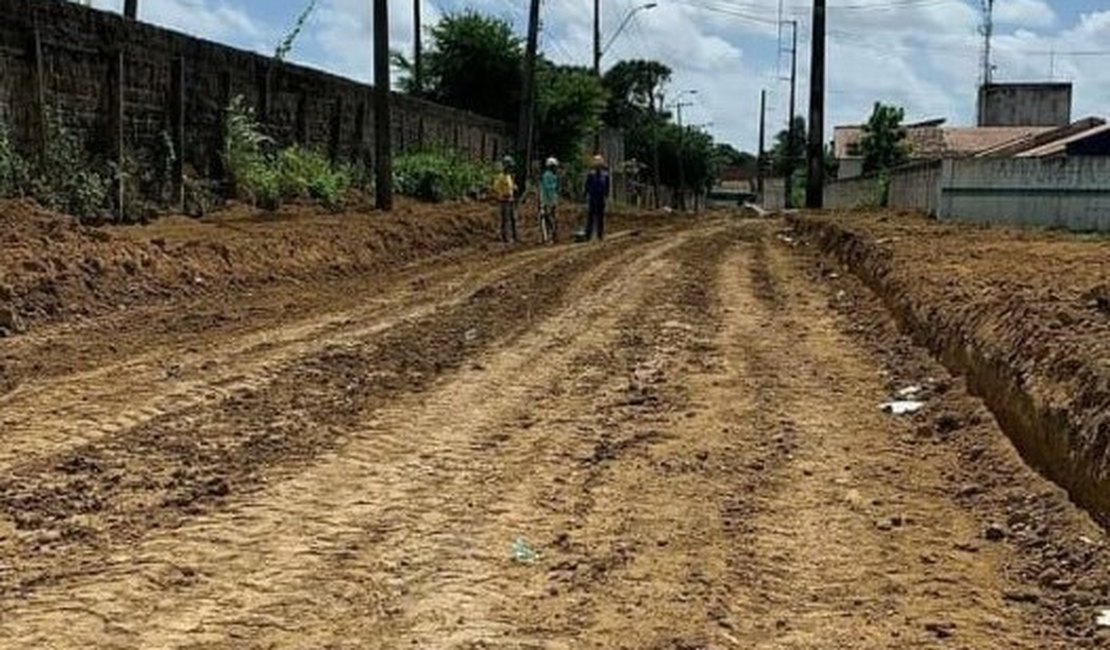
678, 422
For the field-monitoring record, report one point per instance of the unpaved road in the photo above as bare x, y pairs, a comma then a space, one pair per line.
676, 421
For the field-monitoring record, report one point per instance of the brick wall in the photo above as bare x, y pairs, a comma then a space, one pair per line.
69, 58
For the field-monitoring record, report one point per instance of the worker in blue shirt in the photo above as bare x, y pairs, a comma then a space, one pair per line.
597, 191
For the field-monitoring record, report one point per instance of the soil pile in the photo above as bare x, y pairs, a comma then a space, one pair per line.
52, 267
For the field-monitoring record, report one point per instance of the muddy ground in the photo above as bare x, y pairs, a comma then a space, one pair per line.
681, 427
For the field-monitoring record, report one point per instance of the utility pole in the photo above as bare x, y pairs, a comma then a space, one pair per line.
597, 64
383, 146
791, 131
597, 38
681, 154
528, 97
655, 142
131, 9
760, 165
815, 179
417, 48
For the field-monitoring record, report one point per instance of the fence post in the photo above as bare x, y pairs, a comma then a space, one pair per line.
115, 133
301, 126
177, 129
40, 90
335, 131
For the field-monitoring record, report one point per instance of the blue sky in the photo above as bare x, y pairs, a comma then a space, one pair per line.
920, 54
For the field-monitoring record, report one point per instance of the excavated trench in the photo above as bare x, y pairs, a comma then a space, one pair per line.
1062, 441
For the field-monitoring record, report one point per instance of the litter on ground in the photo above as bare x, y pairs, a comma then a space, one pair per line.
903, 407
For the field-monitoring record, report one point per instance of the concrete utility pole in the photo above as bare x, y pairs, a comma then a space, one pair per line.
791, 134
597, 64
679, 105
815, 179
417, 48
760, 164
597, 38
655, 143
383, 146
528, 97
131, 9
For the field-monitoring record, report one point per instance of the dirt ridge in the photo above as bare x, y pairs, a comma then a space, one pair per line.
1051, 398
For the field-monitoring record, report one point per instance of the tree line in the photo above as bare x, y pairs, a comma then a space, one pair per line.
474, 62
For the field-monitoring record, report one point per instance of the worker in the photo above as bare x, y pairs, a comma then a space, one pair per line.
597, 191
504, 190
549, 198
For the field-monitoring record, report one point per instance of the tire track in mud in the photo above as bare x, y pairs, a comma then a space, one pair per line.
40, 420
162, 473
339, 531
849, 544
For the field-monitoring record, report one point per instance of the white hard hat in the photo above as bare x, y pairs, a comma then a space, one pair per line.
552, 162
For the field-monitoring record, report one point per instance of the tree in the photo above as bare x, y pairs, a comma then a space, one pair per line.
472, 62
569, 106
784, 151
883, 145
632, 86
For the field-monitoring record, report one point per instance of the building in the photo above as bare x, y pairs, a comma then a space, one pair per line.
929, 140
1025, 104
1013, 119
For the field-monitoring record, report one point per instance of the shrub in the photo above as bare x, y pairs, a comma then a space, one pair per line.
250, 173
14, 171
66, 180
305, 174
266, 178
439, 176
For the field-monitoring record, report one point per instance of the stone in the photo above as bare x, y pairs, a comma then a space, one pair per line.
11, 321
994, 533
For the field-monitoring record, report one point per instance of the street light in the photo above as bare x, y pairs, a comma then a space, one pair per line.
599, 51
624, 23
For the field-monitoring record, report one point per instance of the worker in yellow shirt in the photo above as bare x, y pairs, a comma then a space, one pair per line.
504, 190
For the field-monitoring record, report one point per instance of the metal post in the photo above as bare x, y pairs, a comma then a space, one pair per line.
131, 9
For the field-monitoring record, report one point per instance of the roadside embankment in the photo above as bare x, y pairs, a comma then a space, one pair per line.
1025, 317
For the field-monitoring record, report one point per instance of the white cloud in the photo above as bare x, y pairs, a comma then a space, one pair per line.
923, 56
1026, 13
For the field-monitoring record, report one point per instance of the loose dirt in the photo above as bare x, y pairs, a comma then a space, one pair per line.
681, 422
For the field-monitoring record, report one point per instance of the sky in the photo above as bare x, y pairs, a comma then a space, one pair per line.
923, 55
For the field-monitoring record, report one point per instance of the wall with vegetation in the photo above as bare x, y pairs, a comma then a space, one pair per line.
129, 91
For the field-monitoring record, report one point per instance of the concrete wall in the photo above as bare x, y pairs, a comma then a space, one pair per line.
1025, 104
774, 193
63, 57
1071, 193
845, 194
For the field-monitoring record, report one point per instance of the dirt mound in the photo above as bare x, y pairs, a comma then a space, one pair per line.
51, 267
1023, 316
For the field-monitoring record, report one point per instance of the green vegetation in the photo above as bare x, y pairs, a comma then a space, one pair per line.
472, 62
62, 178
14, 171
883, 145
266, 177
66, 180
439, 176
